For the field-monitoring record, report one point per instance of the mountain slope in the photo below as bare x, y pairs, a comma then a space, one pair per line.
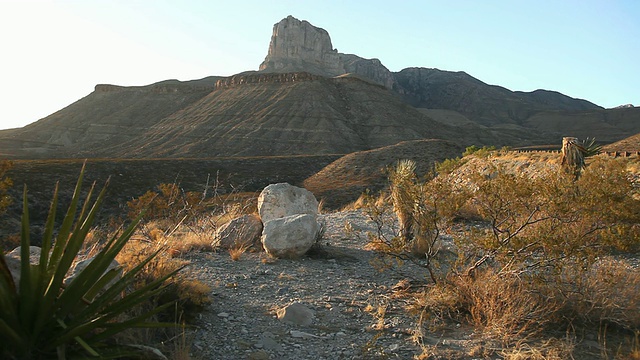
108, 116
290, 114
486, 104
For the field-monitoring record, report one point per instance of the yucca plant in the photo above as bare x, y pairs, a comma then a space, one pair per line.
41, 318
575, 153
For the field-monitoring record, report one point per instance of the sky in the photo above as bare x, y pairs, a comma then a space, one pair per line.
53, 53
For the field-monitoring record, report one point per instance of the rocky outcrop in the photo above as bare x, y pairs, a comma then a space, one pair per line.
299, 46
242, 79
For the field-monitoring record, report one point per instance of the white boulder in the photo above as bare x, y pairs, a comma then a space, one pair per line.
290, 236
282, 200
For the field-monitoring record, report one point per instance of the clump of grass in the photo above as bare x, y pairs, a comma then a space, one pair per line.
551, 349
237, 250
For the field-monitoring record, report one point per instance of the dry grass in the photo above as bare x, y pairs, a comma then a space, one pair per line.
552, 349
237, 250
504, 308
608, 292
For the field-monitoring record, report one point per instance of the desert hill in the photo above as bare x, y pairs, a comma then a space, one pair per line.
343, 180
308, 98
632, 143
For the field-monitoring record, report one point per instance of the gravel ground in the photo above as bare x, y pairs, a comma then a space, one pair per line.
337, 286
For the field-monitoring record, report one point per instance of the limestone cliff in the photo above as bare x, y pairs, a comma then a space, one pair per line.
298, 46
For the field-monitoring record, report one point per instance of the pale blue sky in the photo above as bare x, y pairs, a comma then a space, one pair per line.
55, 52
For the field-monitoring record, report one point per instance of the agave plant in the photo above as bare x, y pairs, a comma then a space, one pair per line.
41, 318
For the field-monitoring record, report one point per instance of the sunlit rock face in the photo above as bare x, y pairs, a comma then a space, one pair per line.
299, 46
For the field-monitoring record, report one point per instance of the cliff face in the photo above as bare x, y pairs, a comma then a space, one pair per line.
299, 46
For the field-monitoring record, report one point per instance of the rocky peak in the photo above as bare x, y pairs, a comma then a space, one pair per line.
299, 46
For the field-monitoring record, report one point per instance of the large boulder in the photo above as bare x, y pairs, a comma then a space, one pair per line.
290, 236
13, 261
79, 267
281, 200
241, 231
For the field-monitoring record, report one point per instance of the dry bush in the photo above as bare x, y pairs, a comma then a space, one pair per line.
504, 307
424, 208
532, 257
608, 292
191, 295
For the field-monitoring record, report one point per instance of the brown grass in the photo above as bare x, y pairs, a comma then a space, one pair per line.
608, 292
237, 250
552, 349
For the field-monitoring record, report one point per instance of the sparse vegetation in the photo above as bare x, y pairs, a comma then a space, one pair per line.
41, 317
5, 184
536, 262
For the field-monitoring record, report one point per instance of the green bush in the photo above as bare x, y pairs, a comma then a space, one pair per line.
480, 152
41, 318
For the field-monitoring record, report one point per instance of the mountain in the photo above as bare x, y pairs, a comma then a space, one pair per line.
244, 115
308, 98
488, 105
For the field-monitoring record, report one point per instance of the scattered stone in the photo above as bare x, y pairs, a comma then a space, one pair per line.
13, 261
223, 315
291, 236
269, 343
297, 314
241, 231
258, 355
302, 334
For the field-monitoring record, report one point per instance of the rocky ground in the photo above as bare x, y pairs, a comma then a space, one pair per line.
344, 291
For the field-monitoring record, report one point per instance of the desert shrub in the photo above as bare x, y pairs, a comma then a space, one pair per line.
503, 306
424, 208
41, 318
168, 202
608, 292
189, 295
534, 258
539, 222
479, 152
447, 166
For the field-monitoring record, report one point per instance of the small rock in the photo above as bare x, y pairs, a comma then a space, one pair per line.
223, 315
258, 355
296, 314
302, 334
